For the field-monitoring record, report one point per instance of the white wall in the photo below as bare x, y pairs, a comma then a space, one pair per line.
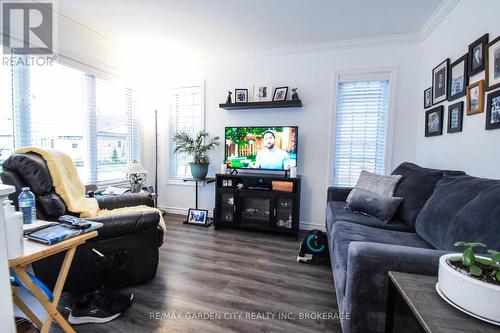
474, 150
312, 72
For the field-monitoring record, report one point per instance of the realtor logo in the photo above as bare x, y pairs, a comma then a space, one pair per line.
28, 27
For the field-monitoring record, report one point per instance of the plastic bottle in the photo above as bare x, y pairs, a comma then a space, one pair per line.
27, 205
14, 230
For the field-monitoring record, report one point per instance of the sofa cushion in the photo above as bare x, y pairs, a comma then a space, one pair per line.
343, 233
377, 184
32, 170
371, 204
462, 208
415, 187
336, 211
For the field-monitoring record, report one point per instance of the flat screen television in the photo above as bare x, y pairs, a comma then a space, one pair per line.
262, 148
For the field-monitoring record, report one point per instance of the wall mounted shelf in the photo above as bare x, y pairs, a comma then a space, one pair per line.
262, 105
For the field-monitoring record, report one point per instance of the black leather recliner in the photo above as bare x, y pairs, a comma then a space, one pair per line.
129, 242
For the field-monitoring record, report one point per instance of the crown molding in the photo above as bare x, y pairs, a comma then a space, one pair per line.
436, 18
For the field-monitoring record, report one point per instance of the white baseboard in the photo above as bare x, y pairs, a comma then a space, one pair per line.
183, 211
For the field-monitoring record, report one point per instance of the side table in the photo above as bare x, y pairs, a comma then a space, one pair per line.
207, 180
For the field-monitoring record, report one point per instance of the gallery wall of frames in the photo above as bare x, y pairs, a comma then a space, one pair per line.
452, 80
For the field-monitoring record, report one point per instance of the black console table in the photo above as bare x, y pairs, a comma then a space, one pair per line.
203, 181
258, 201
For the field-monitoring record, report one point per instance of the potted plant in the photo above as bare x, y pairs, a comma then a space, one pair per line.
471, 281
195, 146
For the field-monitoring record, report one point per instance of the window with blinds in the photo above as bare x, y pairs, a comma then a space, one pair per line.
185, 115
94, 121
360, 129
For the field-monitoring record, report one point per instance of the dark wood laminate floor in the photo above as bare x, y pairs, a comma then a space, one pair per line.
230, 275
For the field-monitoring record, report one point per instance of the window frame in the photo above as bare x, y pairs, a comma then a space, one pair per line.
374, 73
165, 165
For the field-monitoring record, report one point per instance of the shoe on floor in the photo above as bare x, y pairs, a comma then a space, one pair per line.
91, 314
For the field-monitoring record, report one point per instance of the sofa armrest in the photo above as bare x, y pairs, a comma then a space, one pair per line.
125, 200
367, 279
338, 193
126, 224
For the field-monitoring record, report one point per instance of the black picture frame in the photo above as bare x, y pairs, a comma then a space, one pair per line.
197, 217
476, 66
276, 90
460, 117
428, 98
440, 75
465, 78
493, 67
236, 96
493, 98
438, 112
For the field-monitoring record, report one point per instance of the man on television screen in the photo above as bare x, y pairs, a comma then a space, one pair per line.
271, 157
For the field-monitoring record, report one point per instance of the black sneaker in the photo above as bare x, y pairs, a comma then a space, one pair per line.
93, 309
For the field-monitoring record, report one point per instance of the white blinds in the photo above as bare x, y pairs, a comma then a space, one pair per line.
92, 120
6, 119
360, 129
185, 115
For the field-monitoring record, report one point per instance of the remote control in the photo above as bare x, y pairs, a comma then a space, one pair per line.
74, 221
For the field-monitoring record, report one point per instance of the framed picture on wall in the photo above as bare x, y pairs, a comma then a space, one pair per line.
455, 117
459, 78
477, 55
440, 82
241, 95
262, 92
493, 111
280, 94
475, 98
493, 72
434, 121
427, 98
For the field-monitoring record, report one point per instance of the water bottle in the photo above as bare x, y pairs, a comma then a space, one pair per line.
27, 205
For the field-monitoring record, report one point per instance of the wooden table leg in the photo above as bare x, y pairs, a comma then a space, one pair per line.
51, 308
31, 316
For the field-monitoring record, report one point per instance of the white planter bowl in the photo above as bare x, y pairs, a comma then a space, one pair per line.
472, 295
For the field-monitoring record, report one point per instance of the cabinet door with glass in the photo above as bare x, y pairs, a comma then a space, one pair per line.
284, 212
227, 206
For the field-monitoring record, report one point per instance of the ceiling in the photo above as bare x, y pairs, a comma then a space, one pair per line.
209, 27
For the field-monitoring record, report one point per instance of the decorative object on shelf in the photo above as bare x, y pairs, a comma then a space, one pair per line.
280, 94
262, 92
228, 99
493, 111
434, 121
197, 216
136, 176
440, 82
194, 146
459, 79
493, 71
477, 55
471, 282
295, 95
475, 98
455, 117
428, 98
241, 95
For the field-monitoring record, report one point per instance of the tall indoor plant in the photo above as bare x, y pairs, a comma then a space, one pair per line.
195, 146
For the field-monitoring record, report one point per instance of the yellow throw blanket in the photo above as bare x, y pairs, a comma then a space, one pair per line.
70, 188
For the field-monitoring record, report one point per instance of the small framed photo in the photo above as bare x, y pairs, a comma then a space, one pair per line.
262, 92
475, 98
280, 94
493, 111
434, 121
493, 72
455, 117
459, 79
427, 98
477, 55
197, 216
440, 82
241, 95
227, 183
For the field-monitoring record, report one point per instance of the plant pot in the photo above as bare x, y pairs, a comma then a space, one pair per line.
477, 297
199, 170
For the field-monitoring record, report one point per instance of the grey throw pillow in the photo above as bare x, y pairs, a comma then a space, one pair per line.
381, 185
380, 207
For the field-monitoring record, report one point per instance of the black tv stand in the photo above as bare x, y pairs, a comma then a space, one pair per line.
268, 202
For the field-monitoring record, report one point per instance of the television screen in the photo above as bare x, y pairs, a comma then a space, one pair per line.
266, 148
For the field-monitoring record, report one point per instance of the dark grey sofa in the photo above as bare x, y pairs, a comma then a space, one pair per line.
439, 208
